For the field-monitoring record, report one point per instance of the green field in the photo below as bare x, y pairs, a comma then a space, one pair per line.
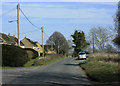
102, 68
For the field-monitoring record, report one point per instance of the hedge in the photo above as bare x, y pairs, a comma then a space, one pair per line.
32, 54
13, 56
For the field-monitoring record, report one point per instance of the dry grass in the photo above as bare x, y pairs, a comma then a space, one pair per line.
102, 67
106, 57
47, 59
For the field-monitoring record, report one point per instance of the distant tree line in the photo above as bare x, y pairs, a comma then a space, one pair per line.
98, 40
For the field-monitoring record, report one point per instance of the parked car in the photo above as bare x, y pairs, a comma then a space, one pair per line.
81, 55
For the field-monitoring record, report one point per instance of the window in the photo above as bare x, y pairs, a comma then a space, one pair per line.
38, 48
81, 53
1, 40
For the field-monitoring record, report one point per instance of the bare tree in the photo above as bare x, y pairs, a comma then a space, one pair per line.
60, 43
99, 37
110, 49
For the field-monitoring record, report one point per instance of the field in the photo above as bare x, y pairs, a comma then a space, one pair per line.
102, 67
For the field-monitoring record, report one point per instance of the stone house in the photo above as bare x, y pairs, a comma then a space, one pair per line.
16, 40
29, 43
5, 39
49, 49
34, 45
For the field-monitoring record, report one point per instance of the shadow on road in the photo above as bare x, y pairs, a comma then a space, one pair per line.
72, 64
50, 78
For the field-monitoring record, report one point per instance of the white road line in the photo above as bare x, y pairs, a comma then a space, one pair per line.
75, 78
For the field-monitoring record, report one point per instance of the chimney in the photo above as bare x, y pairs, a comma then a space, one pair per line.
8, 34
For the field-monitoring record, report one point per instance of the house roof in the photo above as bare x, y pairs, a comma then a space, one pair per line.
16, 40
34, 43
48, 47
7, 39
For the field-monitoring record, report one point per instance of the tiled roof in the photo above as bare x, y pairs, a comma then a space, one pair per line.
34, 43
16, 40
7, 39
48, 47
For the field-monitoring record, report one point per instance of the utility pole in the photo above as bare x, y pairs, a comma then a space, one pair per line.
18, 6
58, 46
42, 41
93, 40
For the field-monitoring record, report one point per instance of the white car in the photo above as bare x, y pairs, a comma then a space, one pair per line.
82, 55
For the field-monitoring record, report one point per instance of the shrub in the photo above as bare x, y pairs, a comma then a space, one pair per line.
32, 54
13, 56
48, 57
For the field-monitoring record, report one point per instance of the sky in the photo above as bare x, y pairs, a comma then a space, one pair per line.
63, 17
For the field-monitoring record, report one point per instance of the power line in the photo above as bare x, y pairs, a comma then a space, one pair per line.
32, 24
45, 34
29, 20
29, 32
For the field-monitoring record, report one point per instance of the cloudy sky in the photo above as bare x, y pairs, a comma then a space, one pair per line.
64, 17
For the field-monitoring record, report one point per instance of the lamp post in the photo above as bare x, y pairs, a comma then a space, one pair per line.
12, 21
18, 6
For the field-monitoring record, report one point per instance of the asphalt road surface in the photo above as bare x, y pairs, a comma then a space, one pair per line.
66, 71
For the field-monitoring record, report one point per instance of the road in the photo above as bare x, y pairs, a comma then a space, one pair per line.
66, 71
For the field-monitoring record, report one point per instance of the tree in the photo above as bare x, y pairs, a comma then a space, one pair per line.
79, 42
70, 47
117, 26
109, 49
60, 43
99, 37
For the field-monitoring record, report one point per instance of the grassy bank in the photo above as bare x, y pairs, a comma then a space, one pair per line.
102, 67
39, 62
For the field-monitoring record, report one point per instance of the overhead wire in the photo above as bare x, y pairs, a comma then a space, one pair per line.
32, 24
38, 28
29, 20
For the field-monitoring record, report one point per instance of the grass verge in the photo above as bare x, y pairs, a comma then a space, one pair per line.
101, 71
40, 63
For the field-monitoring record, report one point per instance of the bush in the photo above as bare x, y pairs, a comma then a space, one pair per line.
13, 56
48, 57
32, 54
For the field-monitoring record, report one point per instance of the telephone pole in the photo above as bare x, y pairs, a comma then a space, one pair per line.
18, 6
58, 46
42, 41
93, 40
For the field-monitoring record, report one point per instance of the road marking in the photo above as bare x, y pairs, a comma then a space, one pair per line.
12, 75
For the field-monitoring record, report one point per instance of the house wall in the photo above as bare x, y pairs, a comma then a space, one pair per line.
22, 46
41, 49
4, 42
27, 44
51, 52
